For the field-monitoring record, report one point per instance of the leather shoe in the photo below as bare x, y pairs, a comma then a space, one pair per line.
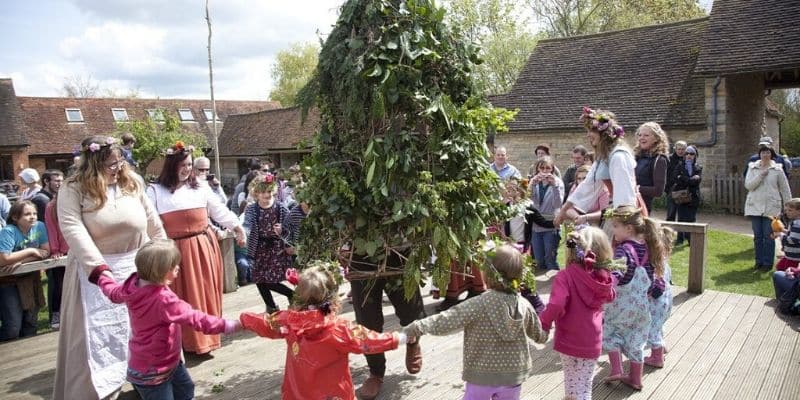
370, 388
413, 358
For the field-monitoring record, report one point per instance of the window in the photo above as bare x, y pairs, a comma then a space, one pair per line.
210, 114
74, 115
120, 114
156, 115
185, 114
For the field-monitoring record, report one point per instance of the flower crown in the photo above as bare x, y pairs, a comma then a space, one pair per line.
623, 215
527, 278
601, 122
95, 146
589, 259
177, 148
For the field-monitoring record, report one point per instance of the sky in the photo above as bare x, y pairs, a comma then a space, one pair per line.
156, 47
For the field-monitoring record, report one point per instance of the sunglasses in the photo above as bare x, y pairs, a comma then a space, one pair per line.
203, 169
691, 154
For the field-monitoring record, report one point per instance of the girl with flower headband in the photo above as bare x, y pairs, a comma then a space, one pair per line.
185, 208
318, 341
626, 324
576, 308
614, 167
496, 325
267, 240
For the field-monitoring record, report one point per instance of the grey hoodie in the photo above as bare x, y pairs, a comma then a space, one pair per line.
496, 328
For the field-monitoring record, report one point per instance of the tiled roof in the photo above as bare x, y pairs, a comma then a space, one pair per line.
265, 132
641, 74
12, 126
751, 36
51, 133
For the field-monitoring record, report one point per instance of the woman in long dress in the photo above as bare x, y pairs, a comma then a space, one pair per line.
185, 208
614, 169
105, 217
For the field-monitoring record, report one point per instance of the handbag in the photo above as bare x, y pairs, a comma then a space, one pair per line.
681, 196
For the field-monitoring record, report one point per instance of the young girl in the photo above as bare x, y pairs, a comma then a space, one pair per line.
22, 240
790, 238
266, 242
547, 192
627, 320
497, 325
318, 342
594, 213
576, 307
156, 315
661, 306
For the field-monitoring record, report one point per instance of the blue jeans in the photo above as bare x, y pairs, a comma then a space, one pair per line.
243, 268
178, 387
14, 321
764, 245
781, 283
545, 249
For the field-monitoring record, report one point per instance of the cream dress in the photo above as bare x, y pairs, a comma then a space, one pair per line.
123, 225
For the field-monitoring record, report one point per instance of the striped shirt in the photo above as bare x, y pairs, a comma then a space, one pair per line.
292, 224
640, 259
791, 241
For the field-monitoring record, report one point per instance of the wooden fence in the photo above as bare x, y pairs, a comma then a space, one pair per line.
728, 191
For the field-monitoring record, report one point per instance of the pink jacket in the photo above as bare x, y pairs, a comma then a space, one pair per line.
156, 315
54, 236
576, 307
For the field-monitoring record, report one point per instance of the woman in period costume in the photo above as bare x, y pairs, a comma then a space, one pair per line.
185, 208
104, 217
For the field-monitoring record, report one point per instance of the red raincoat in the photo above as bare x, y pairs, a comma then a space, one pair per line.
317, 350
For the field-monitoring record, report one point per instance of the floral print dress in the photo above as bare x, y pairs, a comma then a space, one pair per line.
264, 247
626, 321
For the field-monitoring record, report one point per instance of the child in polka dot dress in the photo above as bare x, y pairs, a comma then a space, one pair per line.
576, 307
496, 325
626, 323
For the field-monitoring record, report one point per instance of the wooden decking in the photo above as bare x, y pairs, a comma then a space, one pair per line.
721, 346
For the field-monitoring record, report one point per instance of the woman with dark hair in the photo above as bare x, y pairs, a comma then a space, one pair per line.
687, 176
767, 191
184, 207
105, 217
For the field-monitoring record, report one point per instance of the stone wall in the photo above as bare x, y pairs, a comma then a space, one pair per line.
741, 122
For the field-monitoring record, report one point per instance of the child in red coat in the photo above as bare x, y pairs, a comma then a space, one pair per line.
576, 307
318, 342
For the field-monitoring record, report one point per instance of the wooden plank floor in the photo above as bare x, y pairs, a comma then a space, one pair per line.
721, 346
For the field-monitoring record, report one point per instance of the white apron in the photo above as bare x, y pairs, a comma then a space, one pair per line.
107, 327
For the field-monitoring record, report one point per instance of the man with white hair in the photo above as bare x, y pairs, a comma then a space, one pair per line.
202, 169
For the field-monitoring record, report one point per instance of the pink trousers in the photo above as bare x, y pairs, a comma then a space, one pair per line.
480, 392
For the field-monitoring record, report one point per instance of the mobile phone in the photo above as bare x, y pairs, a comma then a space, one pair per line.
210, 177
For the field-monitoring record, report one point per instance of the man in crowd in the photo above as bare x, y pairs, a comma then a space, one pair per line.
202, 169
501, 166
52, 180
128, 142
578, 159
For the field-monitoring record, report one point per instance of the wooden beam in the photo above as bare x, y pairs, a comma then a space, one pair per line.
698, 244
36, 266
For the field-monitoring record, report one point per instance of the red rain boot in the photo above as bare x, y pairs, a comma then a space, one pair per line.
656, 358
615, 359
634, 379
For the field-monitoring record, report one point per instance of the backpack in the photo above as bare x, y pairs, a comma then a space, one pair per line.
789, 303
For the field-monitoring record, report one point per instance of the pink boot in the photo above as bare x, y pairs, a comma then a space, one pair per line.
615, 359
634, 379
656, 358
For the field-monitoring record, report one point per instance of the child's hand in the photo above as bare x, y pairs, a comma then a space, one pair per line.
232, 325
277, 229
790, 274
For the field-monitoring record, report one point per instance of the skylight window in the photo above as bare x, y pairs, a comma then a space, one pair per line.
120, 114
210, 114
74, 114
185, 114
156, 115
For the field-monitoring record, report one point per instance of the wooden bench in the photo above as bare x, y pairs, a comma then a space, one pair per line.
697, 252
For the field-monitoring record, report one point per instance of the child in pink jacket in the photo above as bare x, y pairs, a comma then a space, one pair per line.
156, 313
576, 307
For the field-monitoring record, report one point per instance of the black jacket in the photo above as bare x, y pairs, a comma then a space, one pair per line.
681, 180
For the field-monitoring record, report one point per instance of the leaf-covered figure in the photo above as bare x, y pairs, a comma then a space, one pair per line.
400, 165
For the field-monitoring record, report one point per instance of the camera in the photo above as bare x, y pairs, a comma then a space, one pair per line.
210, 177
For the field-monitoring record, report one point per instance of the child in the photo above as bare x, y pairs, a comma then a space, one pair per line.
576, 307
790, 238
318, 342
497, 325
266, 242
661, 307
156, 314
626, 321
547, 192
22, 240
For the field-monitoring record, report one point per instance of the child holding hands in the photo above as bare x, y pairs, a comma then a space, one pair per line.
318, 342
156, 315
497, 325
576, 307
626, 323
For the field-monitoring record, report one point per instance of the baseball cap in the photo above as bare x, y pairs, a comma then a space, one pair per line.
765, 140
29, 175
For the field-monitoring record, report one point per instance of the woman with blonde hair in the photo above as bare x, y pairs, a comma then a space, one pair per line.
105, 217
651, 152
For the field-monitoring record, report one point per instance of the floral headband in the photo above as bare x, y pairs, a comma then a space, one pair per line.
178, 148
601, 122
589, 258
94, 146
622, 215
